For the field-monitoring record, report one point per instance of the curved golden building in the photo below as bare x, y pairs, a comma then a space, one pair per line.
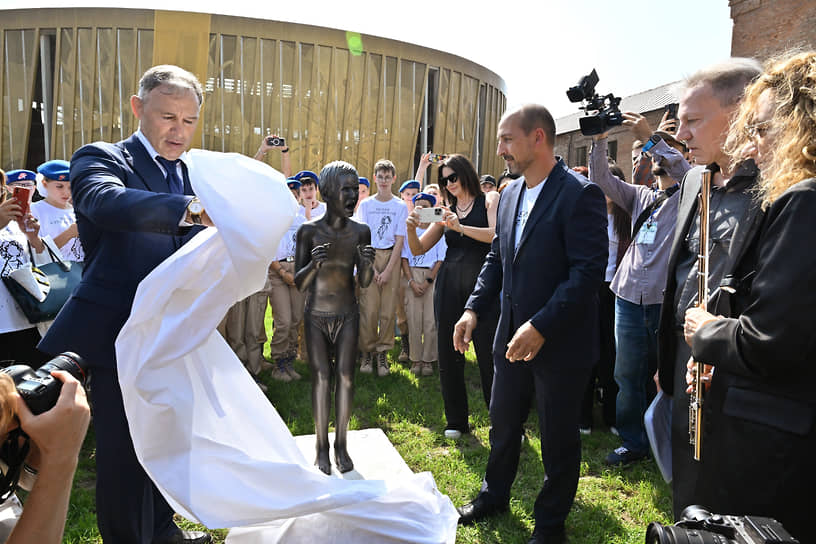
67, 76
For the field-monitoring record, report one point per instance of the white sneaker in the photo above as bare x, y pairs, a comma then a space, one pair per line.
453, 434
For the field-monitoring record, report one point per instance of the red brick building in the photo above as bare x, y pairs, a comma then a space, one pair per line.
763, 28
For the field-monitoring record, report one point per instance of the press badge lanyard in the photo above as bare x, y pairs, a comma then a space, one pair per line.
647, 236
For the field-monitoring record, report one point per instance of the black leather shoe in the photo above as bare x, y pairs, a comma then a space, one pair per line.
185, 537
540, 537
480, 508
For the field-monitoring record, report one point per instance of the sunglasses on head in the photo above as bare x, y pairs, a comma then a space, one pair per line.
450, 179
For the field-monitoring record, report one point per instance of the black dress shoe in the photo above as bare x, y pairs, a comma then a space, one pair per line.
185, 537
540, 537
480, 508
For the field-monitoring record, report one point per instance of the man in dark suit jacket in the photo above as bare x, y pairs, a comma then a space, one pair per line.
546, 262
134, 208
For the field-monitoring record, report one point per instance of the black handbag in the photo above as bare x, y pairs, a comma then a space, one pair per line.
62, 276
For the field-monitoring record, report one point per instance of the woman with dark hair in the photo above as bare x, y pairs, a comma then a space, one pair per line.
468, 226
759, 411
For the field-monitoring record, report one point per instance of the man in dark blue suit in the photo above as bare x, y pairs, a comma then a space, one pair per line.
546, 262
134, 207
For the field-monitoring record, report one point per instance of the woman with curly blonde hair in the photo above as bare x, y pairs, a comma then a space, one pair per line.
762, 397
779, 109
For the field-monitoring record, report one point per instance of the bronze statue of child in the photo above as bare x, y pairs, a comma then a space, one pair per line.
328, 250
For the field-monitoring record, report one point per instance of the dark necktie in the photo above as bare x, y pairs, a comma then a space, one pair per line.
173, 181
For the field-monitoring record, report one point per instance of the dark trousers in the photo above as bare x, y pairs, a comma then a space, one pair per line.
603, 374
453, 287
129, 508
558, 387
685, 470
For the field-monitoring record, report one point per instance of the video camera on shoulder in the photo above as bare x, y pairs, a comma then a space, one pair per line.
602, 112
40, 391
701, 526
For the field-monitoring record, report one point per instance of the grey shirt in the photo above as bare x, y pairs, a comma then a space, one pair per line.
641, 275
728, 206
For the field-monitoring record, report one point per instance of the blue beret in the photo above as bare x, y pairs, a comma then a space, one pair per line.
410, 184
306, 174
55, 170
425, 196
20, 175
293, 183
364, 181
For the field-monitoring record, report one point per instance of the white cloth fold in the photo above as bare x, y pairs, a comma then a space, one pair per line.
204, 432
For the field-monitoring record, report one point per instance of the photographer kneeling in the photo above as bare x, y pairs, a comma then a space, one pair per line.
56, 437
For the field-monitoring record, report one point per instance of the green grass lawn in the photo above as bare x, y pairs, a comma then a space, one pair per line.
612, 505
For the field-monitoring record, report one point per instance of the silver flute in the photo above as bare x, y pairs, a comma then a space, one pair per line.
696, 400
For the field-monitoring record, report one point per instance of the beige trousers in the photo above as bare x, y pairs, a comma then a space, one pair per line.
421, 322
378, 307
402, 318
287, 310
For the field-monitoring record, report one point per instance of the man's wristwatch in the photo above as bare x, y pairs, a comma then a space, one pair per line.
196, 209
429, 280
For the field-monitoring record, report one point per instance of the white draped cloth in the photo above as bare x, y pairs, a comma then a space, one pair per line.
204, 432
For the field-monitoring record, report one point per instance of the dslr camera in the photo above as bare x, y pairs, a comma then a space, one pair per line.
276, 141
40, 391
602, 112
39, 388
701, 526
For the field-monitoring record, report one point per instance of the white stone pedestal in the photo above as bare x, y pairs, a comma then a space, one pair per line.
375, 458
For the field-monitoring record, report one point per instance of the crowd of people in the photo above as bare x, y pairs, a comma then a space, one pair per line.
571, 284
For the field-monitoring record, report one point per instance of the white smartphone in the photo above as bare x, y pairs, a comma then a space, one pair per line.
431, 215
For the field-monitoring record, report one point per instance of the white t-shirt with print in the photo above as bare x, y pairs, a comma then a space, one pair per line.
53, 222
528, 200
429, 258
288, 244
385, 219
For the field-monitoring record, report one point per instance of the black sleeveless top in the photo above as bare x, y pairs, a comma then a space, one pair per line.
463, 248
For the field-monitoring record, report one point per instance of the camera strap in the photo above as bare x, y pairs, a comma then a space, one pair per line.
13, 453
652, 208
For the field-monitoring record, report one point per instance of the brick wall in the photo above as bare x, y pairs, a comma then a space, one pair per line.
763, 28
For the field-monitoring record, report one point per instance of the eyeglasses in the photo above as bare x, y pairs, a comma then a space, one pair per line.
758, 130
453, 178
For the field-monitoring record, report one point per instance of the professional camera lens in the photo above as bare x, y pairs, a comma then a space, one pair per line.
69, 362
658, 534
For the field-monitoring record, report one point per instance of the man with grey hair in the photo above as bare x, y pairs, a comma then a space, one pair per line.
134, 207
707, 104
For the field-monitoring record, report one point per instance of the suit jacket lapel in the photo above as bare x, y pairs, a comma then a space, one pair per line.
509, 211
545, 198
144, 166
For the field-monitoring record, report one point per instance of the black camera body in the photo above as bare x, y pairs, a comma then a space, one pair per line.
38, 388
602, 112
276, 141
699, 525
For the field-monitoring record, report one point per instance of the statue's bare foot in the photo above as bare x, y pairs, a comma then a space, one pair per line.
322, 460
342, 460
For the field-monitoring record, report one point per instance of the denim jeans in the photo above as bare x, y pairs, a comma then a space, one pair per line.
635, 362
